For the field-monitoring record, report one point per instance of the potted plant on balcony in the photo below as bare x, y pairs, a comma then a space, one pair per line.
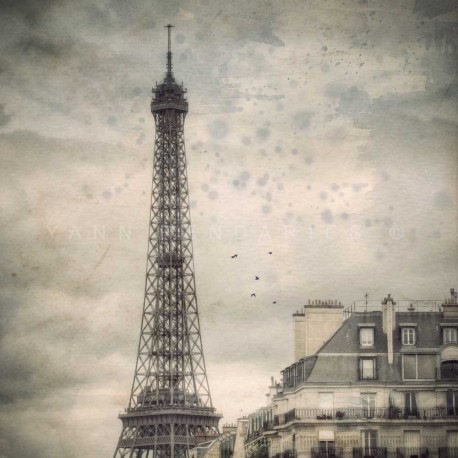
340, 414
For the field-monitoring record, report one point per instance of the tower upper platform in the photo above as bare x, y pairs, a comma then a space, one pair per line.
169, 94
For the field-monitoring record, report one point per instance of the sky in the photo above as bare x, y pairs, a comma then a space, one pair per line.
322, 131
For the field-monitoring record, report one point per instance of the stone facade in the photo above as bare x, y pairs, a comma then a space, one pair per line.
383, 384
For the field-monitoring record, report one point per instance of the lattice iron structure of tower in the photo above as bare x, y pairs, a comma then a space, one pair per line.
170, 409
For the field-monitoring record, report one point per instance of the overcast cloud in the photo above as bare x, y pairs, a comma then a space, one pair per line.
323, 131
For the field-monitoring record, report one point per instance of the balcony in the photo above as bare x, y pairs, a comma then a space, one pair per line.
369, 452
286, 454
448, 452
448, 371
364, 413
412, 452
332, 452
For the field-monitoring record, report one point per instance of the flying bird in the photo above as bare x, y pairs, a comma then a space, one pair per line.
270, 252
253, 295
274, 302
234, 256
256, 277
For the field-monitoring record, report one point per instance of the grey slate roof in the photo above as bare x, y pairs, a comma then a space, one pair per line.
337, 360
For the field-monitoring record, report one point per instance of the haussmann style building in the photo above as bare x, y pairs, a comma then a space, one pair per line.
368, 381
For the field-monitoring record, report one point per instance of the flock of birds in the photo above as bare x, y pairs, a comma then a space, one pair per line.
255, 277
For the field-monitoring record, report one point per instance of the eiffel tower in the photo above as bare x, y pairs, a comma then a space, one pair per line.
170, 409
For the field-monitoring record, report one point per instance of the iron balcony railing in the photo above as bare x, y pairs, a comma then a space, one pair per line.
286, 454
422, 305
365, 413
449, 372
330, 452
412, 452
448, 452
369, 452
256, 432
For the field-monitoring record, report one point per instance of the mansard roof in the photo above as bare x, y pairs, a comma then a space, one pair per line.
338, 359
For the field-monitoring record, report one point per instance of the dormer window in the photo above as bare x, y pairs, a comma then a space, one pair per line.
450, 335
408, 336
366, 337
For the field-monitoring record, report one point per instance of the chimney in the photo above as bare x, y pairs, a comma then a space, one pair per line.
389, 323
241, 434
272, 391
314, 325
450, 306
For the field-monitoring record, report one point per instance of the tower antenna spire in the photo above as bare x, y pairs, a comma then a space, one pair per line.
169, 52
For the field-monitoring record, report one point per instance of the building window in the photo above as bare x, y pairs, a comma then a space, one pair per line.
450, 335
327, 449
326, 445
368, 405
412, 442
366, 337
452, 403
449, 370
410, 404
452, 439
408, 336
419, 367
369, 440
367, 369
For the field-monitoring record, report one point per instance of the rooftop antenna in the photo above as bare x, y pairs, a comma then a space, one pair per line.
169, 52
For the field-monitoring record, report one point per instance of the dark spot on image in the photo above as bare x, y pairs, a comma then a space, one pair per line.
327, 216
262, 133
180, 39
263, 180
218, 129
301, 120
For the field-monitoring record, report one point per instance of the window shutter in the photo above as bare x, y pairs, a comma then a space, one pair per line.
449, 396
407, 402
414, 404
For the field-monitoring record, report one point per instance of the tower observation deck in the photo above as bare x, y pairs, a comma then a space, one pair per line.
170, 409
